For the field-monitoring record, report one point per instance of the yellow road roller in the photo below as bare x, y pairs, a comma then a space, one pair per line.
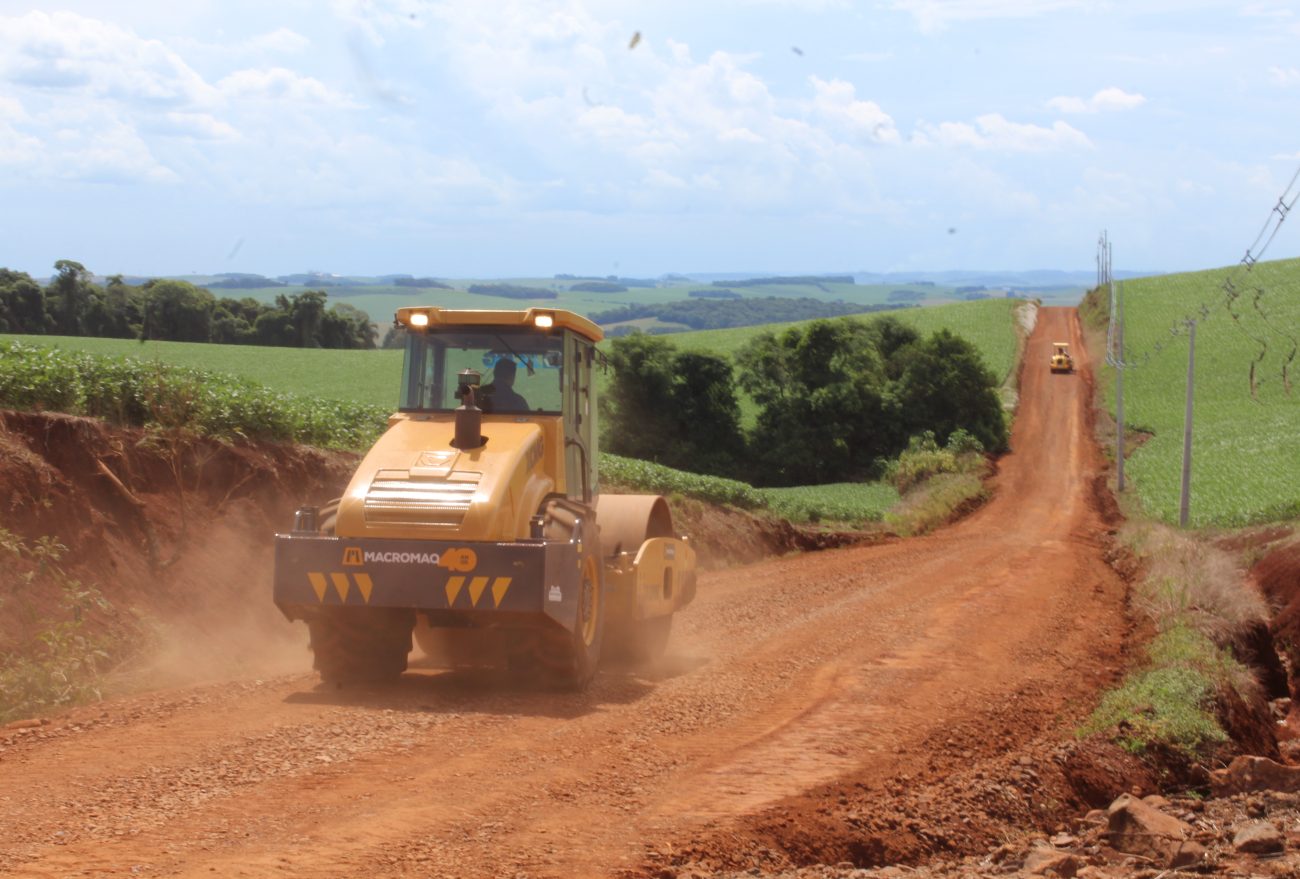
476, 524
1061, 359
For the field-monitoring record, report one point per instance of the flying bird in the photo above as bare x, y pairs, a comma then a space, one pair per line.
636, 38
797, 51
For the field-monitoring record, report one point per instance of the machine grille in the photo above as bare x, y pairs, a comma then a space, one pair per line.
436, 503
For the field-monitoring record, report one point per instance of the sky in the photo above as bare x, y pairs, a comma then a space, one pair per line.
525, 138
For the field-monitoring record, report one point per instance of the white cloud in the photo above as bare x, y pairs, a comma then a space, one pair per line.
1107, 99
836, 102
934, 15
201, 126
279, 84
65, 52
281, 41
565, 83
12, 110
1285, 76
994, 132
89, 145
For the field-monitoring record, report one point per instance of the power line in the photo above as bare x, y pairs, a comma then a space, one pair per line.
1230, 291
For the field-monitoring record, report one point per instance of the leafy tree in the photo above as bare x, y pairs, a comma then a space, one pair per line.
68, 295
944, 386
306, 315
114, 311
822, 390
677, 409
22, 304
273, 328
346, 326
637, 402
176, 311
839, 397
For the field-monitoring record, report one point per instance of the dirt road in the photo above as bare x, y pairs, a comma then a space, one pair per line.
784, 681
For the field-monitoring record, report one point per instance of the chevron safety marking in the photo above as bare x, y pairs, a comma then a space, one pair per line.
453, 588
364, 585
476, 587
341, 585
318, 585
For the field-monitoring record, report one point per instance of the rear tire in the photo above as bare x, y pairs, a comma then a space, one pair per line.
360, 644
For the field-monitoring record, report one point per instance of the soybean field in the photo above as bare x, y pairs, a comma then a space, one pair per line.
1245, 452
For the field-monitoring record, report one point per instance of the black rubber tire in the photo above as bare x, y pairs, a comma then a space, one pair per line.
360, 644
578, 656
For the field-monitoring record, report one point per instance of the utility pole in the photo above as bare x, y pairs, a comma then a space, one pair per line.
1119, 390
1185, 500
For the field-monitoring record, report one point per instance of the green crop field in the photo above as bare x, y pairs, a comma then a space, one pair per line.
362, 376
835, 502
1246, 455
988, 324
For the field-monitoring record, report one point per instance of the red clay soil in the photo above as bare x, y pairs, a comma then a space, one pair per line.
868, 704
1278, 576
173, 530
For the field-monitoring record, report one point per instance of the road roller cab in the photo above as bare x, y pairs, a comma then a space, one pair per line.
477, 523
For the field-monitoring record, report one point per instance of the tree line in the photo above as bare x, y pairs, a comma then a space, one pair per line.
718, 312
838, 400
72, 304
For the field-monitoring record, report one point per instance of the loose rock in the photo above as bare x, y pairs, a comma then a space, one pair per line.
1250, 774
1136, 828
1259, 838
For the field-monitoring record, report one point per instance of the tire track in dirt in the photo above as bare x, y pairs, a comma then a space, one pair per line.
781, 676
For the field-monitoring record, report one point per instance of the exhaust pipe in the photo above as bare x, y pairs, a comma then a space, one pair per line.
469, 417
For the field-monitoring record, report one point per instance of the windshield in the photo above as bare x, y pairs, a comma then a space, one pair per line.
520, 370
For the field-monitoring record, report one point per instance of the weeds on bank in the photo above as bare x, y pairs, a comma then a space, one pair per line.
1195, 597
50, 659
936, 482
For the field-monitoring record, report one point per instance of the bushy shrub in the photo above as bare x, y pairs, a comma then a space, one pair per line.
924, 458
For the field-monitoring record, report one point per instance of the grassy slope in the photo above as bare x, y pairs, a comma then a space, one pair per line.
1245, 456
